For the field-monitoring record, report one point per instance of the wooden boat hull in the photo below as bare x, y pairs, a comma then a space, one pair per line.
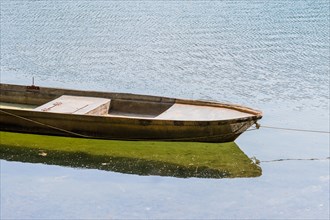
119, 128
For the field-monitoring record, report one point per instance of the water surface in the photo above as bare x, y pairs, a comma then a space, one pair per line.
270, 55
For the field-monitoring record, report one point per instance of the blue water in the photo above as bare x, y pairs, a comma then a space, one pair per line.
270, 55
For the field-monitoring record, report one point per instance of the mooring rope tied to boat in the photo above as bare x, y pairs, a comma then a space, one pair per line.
50, 126
258, 126
295, 129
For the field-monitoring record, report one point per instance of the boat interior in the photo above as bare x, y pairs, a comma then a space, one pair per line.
116, 105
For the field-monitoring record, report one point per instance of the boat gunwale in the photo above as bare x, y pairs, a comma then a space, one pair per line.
125, 120
256, 114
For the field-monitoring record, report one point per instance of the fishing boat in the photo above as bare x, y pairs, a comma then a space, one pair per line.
120, 116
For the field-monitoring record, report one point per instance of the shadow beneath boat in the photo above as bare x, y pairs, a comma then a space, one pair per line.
187, 160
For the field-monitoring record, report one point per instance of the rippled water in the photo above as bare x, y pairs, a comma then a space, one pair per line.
227, 50
272, 55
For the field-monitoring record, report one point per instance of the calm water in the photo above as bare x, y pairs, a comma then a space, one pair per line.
271, 55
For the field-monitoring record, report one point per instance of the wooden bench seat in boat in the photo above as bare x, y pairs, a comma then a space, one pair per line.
77, 105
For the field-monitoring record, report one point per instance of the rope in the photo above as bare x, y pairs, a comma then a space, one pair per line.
294, 129
257, 126
252, 129
50, 126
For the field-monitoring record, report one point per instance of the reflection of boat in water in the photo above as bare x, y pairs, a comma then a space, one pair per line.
178, 159
120, 116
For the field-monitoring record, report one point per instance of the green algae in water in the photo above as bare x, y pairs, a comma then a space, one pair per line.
178, 159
